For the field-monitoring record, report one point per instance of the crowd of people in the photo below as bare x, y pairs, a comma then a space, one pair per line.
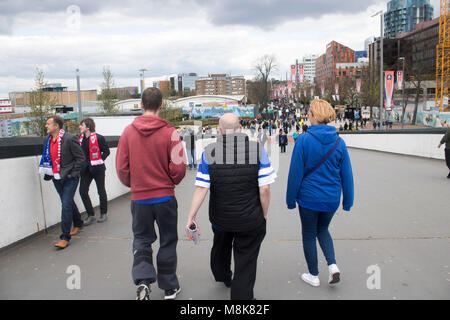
236, 172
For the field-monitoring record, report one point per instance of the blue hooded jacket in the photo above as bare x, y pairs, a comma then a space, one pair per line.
321, 190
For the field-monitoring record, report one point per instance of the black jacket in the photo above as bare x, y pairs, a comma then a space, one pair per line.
234, 204
72, 157
104, 149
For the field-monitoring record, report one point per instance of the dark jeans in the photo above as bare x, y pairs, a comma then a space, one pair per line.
66, 189
166, 217
245, 246
315, 225
283, 148
191, 154
447, 158
85, 182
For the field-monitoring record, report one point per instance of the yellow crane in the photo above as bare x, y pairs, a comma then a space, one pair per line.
443, 58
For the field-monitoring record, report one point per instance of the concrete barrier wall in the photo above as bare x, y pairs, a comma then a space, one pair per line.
420, 145
28, 204
25, 210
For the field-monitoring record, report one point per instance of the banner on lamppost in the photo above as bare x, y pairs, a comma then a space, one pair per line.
292, 72
301, 72
304, 93
400, 80
358, 85
389, 89
322, 88
336, 88
312, 93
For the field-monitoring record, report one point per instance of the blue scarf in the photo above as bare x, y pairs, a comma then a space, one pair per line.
46, 164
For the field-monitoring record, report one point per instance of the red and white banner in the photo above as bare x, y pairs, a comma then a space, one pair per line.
358, 85
312, 93
336, 88
400, 80
301, 72
389, 90
292, 72
322, 88
304, 93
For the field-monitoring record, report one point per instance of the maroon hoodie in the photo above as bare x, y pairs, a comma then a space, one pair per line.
150, 158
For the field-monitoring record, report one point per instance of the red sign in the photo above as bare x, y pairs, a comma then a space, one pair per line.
389, 90
358, 85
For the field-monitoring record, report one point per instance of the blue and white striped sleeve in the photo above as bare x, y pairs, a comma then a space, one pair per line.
203, 179
266, 174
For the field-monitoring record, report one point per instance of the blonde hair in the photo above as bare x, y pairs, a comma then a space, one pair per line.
322, 111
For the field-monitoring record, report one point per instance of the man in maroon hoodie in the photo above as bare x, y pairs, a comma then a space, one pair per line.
150, 159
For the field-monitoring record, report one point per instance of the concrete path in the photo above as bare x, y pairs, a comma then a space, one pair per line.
399, 224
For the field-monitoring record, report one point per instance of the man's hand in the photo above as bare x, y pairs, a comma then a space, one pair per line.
190, 222
439, 146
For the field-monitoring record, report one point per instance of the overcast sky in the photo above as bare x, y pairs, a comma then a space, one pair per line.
169, 36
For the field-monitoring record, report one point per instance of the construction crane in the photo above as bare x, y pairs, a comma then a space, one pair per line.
443, 58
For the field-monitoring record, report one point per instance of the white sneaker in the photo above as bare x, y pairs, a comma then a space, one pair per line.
311, 280
335, 274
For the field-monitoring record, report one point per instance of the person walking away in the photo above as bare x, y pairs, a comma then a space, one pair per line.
95, 151
61, 162
320, 170
282, 141
190, 140
151, 160
238, 174
446, 139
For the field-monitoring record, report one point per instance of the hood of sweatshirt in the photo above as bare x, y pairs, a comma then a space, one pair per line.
323, 133
147, 125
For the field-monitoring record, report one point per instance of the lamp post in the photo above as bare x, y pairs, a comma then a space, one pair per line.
142, 79
381, 66
80, 111
403, 89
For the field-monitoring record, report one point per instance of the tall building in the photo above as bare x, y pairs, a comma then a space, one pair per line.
220, 84
326, 63
404, 15
186, 82
309, 67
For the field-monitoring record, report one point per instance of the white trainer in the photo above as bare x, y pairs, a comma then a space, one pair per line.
311, 280
335, 274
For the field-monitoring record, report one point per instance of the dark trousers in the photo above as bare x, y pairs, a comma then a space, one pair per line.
283, 148
315, 226
85, 182
191, 154
66, 189
245, 247
166, 217
447, 158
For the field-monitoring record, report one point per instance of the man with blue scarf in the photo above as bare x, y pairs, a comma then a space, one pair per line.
61, 162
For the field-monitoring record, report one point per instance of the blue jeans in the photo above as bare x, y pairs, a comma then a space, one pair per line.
191, 154
315, 225
66, 189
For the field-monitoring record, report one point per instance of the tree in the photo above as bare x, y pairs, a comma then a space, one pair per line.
41, 106
108, 96
264, 67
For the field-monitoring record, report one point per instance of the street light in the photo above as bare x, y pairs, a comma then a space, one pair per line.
381, 65
80, 111
403, 88
142, 79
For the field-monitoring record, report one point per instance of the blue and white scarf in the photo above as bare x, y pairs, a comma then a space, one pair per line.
46, 164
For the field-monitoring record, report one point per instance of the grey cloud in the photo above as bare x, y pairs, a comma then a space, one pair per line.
265, 14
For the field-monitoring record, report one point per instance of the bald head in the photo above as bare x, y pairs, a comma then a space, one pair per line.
229, 123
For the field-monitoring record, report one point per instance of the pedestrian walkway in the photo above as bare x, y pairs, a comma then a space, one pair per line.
400, 223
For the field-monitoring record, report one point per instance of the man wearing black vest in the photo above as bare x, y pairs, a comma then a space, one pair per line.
238, 173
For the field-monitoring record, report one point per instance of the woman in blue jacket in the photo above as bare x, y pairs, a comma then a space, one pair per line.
320, 171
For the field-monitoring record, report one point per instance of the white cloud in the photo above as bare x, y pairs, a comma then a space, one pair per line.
173, 40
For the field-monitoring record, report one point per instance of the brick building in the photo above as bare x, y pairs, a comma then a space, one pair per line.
220, 84
326, 64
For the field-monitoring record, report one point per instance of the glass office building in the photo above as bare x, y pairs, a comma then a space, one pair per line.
403, 16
